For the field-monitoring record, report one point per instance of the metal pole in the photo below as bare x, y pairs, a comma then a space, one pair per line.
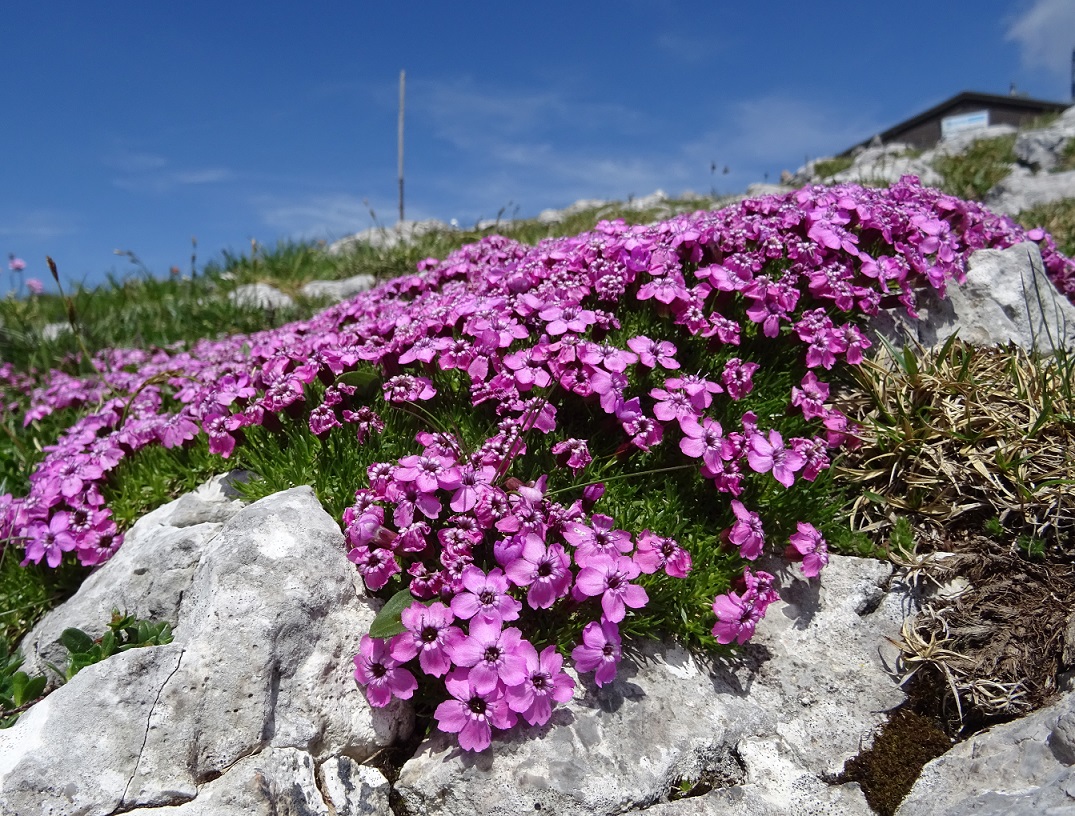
402, 84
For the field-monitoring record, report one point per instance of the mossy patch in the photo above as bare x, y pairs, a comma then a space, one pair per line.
888, 768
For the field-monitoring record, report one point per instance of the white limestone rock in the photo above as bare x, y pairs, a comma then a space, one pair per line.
1022, 190
339, 289
267, 625
1021, 768
813, 683
887, 165
388, 237
260, 296
960, 142
146, 578
1007, 298
353, 789
1041, 149
273, 781
556, 216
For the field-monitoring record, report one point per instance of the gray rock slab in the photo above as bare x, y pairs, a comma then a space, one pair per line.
146, 577
261, 659
286, 781
1022, 767
1042, 148
1021, 191
353, 789
388, 237
260, 296
274, 781
811, 687
808, 796
76, 751
1007, 298
338, 290
887, 164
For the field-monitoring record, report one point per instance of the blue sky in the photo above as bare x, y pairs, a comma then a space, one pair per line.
135, 126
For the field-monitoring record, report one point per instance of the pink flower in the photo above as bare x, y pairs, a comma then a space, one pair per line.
568, 317
50, 541
600, 650
408, 497
322, 420
546, 571
376, 566
485, 597
577, 454
737, 377
738, 614
652, 353
808, 545
645, 432
472, 713
698, 388
671, 405
368, 528
655, 552
381, 674
811, 396
492, 656
35, 286
429, 636
429, 472
597, 540
408, 388
705, 441
16, 264
747, 533
764, 455
610, 577
544, 683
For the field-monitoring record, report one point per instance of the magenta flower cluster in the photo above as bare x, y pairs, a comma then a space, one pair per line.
529, 329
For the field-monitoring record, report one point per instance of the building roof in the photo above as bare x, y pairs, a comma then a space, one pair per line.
1008, 101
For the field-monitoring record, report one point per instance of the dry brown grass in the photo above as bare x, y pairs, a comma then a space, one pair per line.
973, 449
966, 430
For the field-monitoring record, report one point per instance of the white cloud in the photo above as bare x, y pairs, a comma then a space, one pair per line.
141, 172
164, 181
1045, 32
38, 225
208, 175
689, 49
135, 162
327, 215
776, 132
469, 117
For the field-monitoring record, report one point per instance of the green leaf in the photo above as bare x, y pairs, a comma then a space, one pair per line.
76, 641
389, 621
108, 645
163, 634
26, 688
35, 687
365, 380
910, 363
18, 686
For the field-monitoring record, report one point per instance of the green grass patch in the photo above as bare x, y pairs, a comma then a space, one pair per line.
1057, 218
827, 168
971, 174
